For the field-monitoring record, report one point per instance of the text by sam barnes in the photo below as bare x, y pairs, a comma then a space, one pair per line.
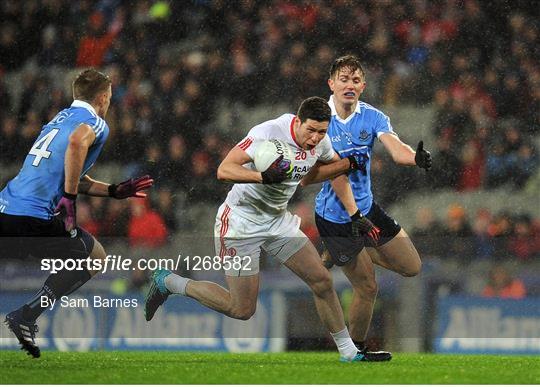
95, 302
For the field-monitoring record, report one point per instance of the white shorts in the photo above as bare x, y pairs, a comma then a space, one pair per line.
239, 240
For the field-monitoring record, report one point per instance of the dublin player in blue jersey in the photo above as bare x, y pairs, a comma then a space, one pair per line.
347, 226
53, 173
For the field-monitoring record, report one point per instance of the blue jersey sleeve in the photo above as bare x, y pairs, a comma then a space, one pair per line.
99, 126
101, 129
383, 125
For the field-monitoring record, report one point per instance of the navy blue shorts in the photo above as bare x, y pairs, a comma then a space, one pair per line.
23, 236
337, 238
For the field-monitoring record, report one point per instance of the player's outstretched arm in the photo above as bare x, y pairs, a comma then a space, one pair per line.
232, 170
91, 187
403, 154
321, 172
325, 171
129, 188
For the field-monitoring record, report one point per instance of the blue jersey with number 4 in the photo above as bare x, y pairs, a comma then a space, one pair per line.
39, 185
354, 135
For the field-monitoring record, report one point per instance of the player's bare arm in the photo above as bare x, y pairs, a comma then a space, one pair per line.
125, 189
401, 153
343, 190
232, 170
324, 171
360, 224
91, 187
79, 141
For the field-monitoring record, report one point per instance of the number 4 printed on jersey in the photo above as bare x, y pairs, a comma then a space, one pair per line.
39, 149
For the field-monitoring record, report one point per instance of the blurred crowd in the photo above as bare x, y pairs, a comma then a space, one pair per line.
172, 63
468, 237
502, 283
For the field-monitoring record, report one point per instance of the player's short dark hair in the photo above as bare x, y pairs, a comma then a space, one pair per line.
347, 61
315, 108
89, 84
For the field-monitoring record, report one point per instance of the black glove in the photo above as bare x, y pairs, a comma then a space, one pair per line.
357, 163
276, 172
423, 157
363, 226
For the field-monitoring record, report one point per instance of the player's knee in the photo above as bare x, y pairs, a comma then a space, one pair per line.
367, 289
323, 285
413, 269
242, 313
98, 252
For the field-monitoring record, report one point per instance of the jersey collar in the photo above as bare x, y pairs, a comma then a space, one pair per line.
84, 105
334, 111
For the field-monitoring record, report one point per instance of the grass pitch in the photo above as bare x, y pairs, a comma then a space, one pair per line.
278, 368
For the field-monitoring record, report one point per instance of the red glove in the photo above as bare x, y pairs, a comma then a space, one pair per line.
67, 208
131, 188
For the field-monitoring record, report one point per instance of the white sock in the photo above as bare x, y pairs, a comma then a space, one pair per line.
176, 284
344, 343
